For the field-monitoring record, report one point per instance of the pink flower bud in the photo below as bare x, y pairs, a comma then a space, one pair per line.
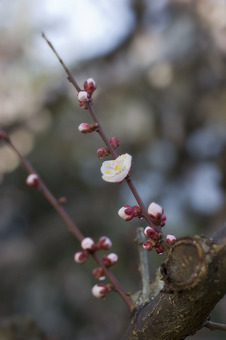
149, 244
98, 272
88, 244
150, 232
87, 128
110, 259
127, 212
83, 96
80, 256
102, 152
155, 210
84, 127
62, 200
104, 243
90, 85
163, 220
100, 290
83, 105
170, 238
159, 249
33, 180
114, 141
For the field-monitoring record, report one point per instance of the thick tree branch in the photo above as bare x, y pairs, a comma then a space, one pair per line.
195, 280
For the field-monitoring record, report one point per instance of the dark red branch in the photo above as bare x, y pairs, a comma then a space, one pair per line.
70, 224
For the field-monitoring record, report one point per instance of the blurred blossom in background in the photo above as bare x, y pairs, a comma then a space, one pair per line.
161, 74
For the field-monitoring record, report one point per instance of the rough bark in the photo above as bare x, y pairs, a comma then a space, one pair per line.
195, 280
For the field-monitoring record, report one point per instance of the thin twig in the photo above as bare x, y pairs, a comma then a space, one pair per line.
66, 218
70, 76
103, 136
215, 326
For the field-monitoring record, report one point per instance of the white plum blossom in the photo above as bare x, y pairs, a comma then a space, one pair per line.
116, 170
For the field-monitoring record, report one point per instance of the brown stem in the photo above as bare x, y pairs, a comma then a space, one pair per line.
103, 136
101, 131
70, 76
70, 224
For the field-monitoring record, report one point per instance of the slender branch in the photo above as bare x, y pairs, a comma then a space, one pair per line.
215, 326
101, 131
66, 218
143, 267
103, 136
70, 76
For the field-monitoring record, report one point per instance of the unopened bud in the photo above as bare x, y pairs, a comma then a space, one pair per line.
149, 244
98, 272
88, 244
110, 259
100, 290
87, 128
102, 152
62, 200
83, 96
104, 243
170, 238
150, 232
127, 212
159, 249
90, 85
83, 105
155, 210
33, 180
80, 256
114, 141
163, 220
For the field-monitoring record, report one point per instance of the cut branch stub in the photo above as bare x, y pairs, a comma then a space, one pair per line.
186, 265
194, 274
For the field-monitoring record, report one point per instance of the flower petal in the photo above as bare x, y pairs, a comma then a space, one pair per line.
116, 170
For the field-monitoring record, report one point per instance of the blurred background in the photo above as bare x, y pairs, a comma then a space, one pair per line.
160, 67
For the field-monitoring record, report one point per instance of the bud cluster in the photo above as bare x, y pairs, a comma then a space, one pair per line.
85, 95
154, 240
88, 245
155, 211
